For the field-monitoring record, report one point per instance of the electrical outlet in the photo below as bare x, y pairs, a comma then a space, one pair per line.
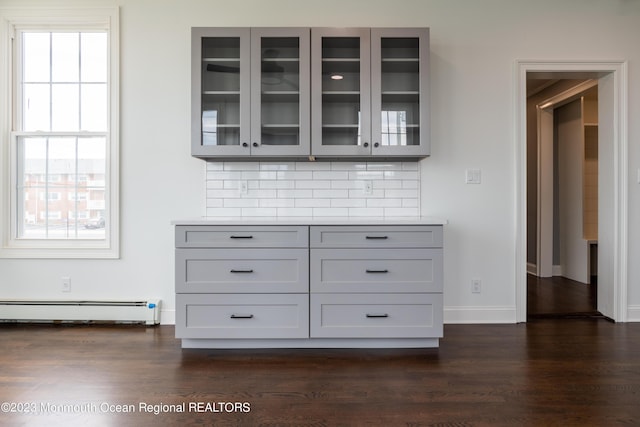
476, 286
66, 284
243, 188
367, 188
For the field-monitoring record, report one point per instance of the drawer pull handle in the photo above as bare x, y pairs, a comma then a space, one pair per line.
376, 315
377, 271
241, 271
377, 237
242, 316
241, 237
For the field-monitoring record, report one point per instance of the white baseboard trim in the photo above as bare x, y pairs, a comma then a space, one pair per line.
532, 268
556, 270
491, 314
167, 317
633, 313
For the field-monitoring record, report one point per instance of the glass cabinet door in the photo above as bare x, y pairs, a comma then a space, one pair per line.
399, 91
220, 91
280, 91
341, 91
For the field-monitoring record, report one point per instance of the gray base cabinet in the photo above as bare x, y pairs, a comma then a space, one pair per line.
309, 286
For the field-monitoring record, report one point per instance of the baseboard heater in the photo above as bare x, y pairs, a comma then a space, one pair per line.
147, 312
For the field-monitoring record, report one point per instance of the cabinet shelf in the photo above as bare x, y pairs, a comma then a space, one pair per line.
221, 92
280, 59
227, 126
400, 59
281, 92
276, 126
341, 60
341, 126
205, 60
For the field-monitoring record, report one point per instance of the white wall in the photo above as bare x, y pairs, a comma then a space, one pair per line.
474, 46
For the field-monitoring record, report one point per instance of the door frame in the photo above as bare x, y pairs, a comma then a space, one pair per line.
616, 308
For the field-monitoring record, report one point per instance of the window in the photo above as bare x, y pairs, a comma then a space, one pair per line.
61, 133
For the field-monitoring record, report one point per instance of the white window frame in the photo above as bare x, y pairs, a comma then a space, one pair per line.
11, 21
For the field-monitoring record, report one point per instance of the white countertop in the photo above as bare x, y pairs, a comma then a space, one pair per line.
311, 221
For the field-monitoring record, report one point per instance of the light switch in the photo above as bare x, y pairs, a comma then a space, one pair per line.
472, 176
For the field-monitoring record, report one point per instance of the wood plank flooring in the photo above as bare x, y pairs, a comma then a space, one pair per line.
560, 297
571, 372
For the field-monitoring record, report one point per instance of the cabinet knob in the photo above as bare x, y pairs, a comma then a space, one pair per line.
376, 144
366, 144
255, 144
244, 144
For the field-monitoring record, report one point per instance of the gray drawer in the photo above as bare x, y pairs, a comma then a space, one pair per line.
242, 316
376, 316
241, 236
376, 270
242, 270
414, 236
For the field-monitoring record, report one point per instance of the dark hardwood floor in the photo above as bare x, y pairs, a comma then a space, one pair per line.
559, 297
571, 372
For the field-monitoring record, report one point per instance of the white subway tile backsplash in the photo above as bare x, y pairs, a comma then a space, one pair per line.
386, 166
295, 175
277, 166
223, 175
312, 203
259, 211
330, 212
251, 174
241, 203
294, 194
279, 184
331, 175
295, 212
403, 194
347, 166
313, 184
348, 203
384, 203
241, 166
277, 203
366, 212
303, 189
333, 193
366, 175
393, 212
401, 174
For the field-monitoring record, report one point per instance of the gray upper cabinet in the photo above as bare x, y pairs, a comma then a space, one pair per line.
370, 92
250, 92
297, 92
341, 103
400, 92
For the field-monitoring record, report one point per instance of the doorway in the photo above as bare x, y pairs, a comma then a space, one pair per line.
562, 196
612, 179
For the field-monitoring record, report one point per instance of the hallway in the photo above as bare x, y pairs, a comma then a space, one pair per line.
559, 297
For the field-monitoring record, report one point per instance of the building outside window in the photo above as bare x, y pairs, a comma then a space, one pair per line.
62, 134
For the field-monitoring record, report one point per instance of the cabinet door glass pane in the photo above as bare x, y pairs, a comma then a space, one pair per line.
221, 91
341, 91
400, 91
280, 90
